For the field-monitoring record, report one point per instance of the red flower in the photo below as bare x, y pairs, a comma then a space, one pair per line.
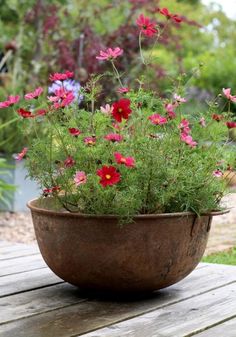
69, 162
61, 76
231, 125
109, 175
113, 137
24, 113
147, 27
121, 109
35, 94
90, 140
74, 132
127, 161
41, 112
217, 118
48, 191
22, 154
169, 16
157, 119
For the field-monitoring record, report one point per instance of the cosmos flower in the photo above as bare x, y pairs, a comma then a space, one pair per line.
108, 175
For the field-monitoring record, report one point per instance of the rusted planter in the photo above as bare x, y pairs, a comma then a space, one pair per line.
94, 252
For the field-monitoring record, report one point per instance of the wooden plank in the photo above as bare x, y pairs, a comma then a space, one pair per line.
21, 264
182, 319
26, 281
17, 250
84, 317
226, 329
38, 301
5, 243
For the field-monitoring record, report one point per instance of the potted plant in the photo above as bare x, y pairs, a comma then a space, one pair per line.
129, 189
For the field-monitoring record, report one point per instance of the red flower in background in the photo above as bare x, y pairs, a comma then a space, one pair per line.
127, 161
109, 175
22, 154
121, 109
41, 112
24, 113
69, 162
61, 76
147, 27
217, 118
231, 125
74, 132
113, 137
35, 94
169, 16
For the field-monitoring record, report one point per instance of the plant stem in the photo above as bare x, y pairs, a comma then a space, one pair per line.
116, 73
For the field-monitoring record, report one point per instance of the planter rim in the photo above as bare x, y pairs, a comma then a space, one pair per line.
31, 205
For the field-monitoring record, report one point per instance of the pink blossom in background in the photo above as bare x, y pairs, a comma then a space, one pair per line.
62, 98
174, 17
227, 93
90, 140
231, 125
147, 27
80, 178
22, 154
157, 119
107, 110
188, 140
217, 173
110, 54
69, 162
202, 122
179, 99
114, 137
10, 101
127, 161
35, 94
170, 110
184, 126
123, 90
61, 76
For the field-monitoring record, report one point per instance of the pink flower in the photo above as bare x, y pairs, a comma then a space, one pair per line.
217, 173
179, 99
127, 161
169, 16
69, 162
157, 119
107, 110
41, 112
147, 27
10, 101
188, 140
21, 155
80, 178
202, 122
170, 110
74, 132
123, 90
110, 54
231, 125
227, 93
184, 126
61, 76
113, 137
62, 98
35, 94
90, 140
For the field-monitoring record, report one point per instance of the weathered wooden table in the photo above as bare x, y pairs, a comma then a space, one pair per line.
36, 303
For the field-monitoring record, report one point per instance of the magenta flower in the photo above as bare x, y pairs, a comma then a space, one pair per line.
10, 101
61, 76
184, 126
188, 140
231, 125
35, 94
157, 119
80, 178
90, 140
110, 54
113, 137
170, 110
217, 173
62, 98
227, 93
147, 27
127, 161
74, 132
69, 162
22, 154
107, 110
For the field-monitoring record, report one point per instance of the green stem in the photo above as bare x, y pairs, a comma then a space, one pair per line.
140, 47
116, 73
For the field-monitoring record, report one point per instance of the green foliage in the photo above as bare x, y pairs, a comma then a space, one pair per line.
228, 257
5, 188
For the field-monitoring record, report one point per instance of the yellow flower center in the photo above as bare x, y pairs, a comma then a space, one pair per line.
108, 176
157, 120
120, 110
123, 160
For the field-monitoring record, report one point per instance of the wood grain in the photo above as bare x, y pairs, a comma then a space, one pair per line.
226, 329
17, 250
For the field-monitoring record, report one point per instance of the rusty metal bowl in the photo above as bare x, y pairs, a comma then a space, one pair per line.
95, 253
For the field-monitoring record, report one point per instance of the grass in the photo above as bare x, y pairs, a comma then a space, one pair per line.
228, 257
